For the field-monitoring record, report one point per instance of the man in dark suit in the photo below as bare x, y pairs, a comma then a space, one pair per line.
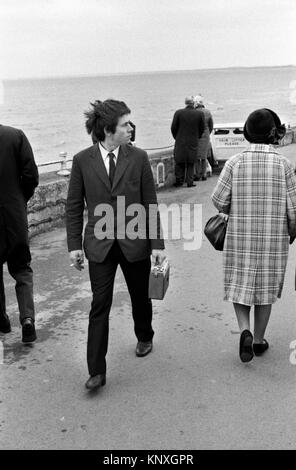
105, 175
18, 180
187, 127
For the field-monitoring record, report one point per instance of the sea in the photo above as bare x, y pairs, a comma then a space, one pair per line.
51, 111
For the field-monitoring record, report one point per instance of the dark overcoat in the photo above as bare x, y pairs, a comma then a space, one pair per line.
187, 127
18, 180
133, 184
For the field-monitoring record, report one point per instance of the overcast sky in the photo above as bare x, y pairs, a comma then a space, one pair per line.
85, 37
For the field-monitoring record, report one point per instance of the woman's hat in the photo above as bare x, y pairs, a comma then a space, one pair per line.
263, 126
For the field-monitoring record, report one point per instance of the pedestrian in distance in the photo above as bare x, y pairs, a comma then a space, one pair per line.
187, 127
257, 191
102, 175
204, 143
18, 180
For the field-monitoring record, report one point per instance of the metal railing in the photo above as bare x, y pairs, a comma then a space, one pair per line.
63, 160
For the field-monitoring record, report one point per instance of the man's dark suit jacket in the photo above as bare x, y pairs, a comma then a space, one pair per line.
18, 180
187, 127
90, 182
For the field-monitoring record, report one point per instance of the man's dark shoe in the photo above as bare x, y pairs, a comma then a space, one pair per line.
96, 381
246, 353
260, 348
5, 326
28, 330
190, 185
178, 184
143, 348
204, 178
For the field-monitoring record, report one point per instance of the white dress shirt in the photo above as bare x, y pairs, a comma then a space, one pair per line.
105, 157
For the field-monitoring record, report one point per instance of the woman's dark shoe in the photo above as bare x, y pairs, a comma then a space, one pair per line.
246, 353
260, 348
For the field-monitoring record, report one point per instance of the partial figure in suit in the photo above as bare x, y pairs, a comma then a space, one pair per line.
18, 180
187, 127
106, 175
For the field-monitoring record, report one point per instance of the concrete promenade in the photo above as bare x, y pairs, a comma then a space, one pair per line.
191, 392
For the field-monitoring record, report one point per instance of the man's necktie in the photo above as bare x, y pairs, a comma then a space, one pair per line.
111, 167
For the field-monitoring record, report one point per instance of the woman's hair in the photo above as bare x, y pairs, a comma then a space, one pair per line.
103, 116
198, 101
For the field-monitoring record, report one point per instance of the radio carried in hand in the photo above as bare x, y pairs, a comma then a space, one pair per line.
159, 280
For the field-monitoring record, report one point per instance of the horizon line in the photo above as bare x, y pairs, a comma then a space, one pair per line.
145, 72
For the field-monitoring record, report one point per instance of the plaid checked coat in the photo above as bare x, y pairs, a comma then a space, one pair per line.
257, 188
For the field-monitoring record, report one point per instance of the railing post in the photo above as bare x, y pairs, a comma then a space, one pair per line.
63, 171
160, 174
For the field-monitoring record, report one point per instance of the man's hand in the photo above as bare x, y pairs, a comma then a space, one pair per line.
77, 259
158, 256
224, 216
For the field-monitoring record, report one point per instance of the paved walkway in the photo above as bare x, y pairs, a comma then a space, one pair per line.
192, 392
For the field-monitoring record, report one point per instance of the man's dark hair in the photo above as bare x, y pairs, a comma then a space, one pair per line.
104, 115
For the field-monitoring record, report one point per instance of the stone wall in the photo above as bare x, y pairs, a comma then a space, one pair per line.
46, 209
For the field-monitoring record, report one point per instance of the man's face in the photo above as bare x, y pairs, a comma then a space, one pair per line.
123, 131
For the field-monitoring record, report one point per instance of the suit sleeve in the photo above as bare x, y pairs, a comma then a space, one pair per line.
149, 201
75, 208
175, 125
28, 168
221, 195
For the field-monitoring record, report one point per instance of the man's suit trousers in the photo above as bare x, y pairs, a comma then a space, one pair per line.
102, 277
18, 257
23, 276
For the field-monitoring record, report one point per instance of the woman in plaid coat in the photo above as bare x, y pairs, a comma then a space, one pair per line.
257, 189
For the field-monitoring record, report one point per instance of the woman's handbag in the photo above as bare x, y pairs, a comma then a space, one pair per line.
215, 231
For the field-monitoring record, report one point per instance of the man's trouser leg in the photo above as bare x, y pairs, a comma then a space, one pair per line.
180, 172
190, 173
3, 254
2, 295
23, 276
137, 279
102, 281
